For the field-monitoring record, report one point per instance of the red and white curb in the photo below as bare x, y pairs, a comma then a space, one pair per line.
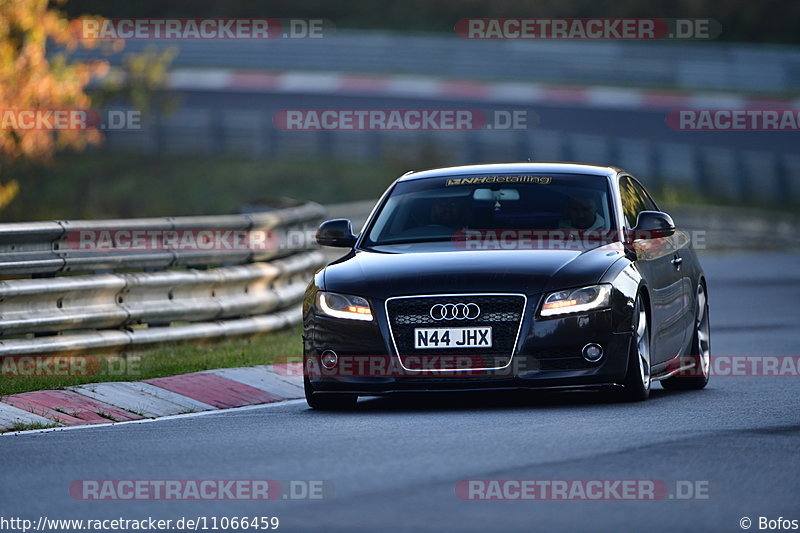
337, 83
104, 403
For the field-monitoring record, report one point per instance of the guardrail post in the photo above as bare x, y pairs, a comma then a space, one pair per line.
473, 148
268, 135
325, 143
154, 139
656, 169
217, 136
784, 190
375, 146
700, 173
523, 145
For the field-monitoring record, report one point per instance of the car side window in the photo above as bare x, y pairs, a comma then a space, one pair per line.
634, 200
645, 201
630, 203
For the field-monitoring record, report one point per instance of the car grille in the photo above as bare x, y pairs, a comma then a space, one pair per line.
502, 312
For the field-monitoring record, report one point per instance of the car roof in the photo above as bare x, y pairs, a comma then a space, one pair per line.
514, 168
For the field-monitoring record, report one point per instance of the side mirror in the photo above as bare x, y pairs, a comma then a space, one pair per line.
337, 232
653, 225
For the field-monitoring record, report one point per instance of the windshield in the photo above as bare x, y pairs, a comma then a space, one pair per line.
442, 209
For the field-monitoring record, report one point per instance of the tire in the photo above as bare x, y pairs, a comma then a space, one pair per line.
700, 352
328, 402
636, 387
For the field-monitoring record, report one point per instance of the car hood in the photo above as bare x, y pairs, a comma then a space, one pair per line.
381, 275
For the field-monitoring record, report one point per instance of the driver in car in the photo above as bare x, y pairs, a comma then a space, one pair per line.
581, 214
446, 212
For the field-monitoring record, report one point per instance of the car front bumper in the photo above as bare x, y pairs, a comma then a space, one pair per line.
547, 356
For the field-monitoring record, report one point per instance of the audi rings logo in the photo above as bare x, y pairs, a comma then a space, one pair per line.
457, 311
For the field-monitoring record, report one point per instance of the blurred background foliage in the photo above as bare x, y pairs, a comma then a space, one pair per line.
30, 80
33, 78
79, 186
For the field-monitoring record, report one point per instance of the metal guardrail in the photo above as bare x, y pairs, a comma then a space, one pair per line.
42, 247
114, 341
254, 291
738, 228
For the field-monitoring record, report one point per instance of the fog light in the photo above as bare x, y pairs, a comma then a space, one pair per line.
329, 359
592, 352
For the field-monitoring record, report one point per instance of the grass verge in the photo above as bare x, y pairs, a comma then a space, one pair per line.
100, 184
22, 426
103, 184
166, 360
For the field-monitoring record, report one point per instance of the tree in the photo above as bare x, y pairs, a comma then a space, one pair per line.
29, 80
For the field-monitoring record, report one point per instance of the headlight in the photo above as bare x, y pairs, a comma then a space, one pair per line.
344, 306
576, 300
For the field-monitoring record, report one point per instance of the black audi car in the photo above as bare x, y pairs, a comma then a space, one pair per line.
507, 276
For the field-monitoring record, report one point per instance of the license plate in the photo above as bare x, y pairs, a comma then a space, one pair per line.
426, 338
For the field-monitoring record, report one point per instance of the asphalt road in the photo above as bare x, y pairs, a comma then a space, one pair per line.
393, 464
